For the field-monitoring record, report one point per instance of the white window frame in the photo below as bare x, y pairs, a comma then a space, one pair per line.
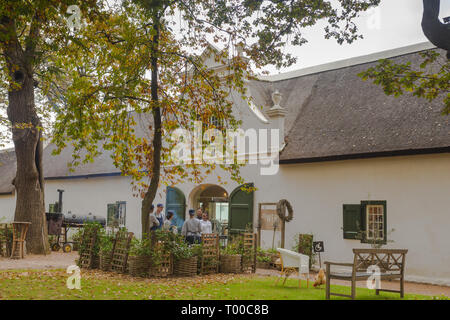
378, 215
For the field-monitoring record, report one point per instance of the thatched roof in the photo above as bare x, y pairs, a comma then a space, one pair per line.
7, 170
339, 116
56, 167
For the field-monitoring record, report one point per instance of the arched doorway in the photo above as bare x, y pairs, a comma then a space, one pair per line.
212, 199
176, 202
240, 210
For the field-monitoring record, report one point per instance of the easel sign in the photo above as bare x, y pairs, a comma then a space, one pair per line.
318, 248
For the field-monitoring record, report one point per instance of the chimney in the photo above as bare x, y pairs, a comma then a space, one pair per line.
277, 115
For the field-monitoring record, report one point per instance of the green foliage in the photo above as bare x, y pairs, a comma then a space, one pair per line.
84, 233
37, 31
269, 255
106, 242
235, 246
182, 250
6, 234
431, 80
140, 247
441, 297
304, 244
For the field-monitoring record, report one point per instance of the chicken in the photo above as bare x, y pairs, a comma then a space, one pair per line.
320, 279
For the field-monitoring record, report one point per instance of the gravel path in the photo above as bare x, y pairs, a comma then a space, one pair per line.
55, 260
60, 260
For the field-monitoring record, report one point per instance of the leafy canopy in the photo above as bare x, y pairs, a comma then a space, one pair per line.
431, 80
108, 83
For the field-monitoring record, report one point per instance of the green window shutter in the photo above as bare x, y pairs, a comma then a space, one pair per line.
352, 223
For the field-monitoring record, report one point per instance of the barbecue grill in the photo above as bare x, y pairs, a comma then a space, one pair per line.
59, 224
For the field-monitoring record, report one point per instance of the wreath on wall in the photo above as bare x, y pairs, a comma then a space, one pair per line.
282, 205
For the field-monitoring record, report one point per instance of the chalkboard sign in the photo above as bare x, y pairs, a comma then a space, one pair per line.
318, 246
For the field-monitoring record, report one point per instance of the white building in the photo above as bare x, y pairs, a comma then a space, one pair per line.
346, 143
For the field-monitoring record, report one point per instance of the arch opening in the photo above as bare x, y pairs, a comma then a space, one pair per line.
212, 199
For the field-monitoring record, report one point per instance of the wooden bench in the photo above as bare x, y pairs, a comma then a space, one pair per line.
390, 261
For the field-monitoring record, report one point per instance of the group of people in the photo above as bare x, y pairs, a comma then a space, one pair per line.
197, 224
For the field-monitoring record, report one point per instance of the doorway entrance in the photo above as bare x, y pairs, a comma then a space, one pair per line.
240, 210
212, 199
229, 213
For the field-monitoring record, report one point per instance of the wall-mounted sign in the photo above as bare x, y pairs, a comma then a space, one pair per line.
318, 246
269, 219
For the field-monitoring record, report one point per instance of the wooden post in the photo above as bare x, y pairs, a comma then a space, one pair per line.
283, 225
259, 224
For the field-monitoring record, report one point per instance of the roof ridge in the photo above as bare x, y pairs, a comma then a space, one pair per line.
386, 54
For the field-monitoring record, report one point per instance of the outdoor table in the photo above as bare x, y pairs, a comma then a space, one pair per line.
19, 233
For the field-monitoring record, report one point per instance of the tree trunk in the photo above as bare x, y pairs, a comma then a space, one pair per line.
157, 136
29, 180
27, 134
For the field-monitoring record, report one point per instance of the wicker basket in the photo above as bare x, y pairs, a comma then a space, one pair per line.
262, 265
163, 268
95, 262
185, 267
138, 266
105, 261
230, 263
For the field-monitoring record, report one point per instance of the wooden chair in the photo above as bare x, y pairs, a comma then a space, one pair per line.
391, 263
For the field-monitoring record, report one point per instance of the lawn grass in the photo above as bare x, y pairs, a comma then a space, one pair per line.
97, 285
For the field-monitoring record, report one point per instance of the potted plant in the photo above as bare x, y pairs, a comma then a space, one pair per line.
263, 260
139, 257
231, 257
161, 253
185, 260
106, 246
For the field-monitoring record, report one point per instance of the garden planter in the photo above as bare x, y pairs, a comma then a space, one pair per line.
95, 262
230, 263
163, 268
105, 261
138, 265
185, 267
262, 265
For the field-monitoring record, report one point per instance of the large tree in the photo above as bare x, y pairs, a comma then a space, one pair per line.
429, 80
31, 33
146, 60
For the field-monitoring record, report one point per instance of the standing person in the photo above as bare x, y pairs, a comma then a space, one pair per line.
199, 214
153, 221
168, 226
159, 216
191, 228
205, 224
